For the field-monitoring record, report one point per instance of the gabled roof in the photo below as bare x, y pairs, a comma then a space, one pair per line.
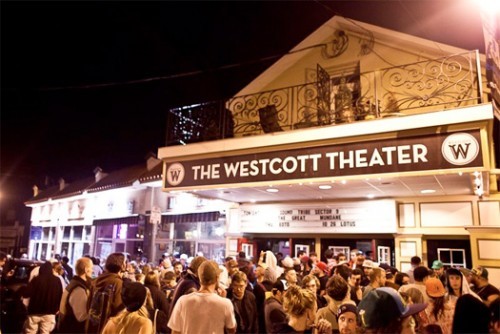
320, 37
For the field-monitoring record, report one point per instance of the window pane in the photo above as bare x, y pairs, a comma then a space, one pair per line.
458, 257
77, 232
444, 255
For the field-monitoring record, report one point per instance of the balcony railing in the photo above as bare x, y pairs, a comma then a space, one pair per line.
427, 86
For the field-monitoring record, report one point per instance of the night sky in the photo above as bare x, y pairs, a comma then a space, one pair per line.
87, 84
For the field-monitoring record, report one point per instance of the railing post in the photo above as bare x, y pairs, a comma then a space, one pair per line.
479, 77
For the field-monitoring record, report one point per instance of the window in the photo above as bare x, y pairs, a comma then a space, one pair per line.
341, 249
384, 254
452, 257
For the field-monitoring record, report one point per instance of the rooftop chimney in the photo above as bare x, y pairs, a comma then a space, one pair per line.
99, 175
62, 184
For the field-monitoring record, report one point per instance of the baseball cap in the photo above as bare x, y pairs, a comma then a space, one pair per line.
369, 264
346, 308
434, 287
437, 264
480, 271
321, 265
382, 305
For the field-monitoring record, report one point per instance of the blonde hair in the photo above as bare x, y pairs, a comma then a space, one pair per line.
309, 278
297, 301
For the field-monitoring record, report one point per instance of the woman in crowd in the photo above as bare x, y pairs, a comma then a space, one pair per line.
135, 318
311, 282
457, 285
440, 309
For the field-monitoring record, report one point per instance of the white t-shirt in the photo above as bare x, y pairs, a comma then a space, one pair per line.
202, 313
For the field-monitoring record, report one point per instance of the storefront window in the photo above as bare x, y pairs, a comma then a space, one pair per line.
186, 231
105, 231
77, 232
88, 233
66, 232
212, 230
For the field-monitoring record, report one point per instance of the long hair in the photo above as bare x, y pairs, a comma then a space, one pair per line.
437, 305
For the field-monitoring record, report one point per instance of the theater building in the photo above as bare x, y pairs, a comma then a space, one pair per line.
359, 137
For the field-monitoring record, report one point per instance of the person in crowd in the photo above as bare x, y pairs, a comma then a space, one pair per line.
470, 315
189, 282
139, 277
421, 274
58, 270
3, 261
356, 291
289, 278
494, 316
377, 280
337, 290
160, 302
73, 311
96, 269
45, 292
353, 255
415, 262
300, 306
401, 279
368, 255
269, 262
321, 272
204, 311
112, 275
274, 315
168, 284
439, 310
438, 269
135, 318
232, 268
244, 303
342, 269
367, 266
457, 285
178, 270
384, 311
330, 260
390, 279
347, 318
242, 259
311, 282
68, 271
314, 257
306, 265
485, 290
165, 265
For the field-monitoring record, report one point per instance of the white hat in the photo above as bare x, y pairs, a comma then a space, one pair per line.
369, 264
287, 262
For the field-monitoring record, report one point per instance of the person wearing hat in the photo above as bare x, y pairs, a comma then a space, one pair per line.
440, 309
135, 318
485, 290
367, 266
321, 271
384, 311
438, 269
347, 318
457, 285
204, 311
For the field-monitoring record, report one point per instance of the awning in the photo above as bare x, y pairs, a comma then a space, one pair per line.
191, 217
130, 220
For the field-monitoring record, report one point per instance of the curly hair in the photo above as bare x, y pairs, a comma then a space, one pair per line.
309, 278
297, 301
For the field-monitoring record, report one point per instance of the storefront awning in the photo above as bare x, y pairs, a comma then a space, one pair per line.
130, 220
191, 217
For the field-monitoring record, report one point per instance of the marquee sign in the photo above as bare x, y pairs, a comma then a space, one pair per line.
408, 154
351, 217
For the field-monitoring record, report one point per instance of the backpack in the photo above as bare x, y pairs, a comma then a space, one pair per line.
100, 307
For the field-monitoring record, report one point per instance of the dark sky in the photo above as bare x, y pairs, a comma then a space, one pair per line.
74, 94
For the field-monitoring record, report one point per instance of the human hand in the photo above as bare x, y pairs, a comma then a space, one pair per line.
323, 326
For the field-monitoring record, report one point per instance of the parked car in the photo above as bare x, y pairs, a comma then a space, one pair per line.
13, 311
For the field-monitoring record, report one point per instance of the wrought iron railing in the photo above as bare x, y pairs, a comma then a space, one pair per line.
426, 86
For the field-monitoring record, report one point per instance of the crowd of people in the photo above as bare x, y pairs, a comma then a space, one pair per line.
273, 293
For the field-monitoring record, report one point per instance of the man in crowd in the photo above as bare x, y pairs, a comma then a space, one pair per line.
421, 274
347, 318
377, 280
355, 285
275, 316
204, 311
245, 307
438, 268
485, 290
321, 271
415, 262
73, 311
